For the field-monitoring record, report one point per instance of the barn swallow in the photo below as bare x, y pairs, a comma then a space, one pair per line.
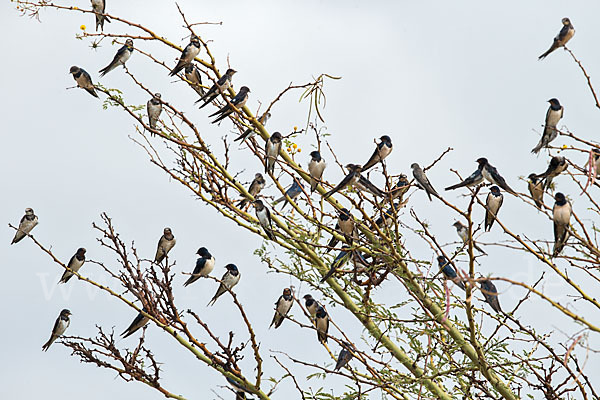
558, 164
264, 218
595, 162
387, 217
239, 100
472, 180
316, 166
154, 108
493, 202
272, 148
449, 272
565, 34
346, 226
322, 324
60, 326
561, 215
553, 115
229, 280
401, 188
194, 78
292, 192
311, 305
240, 390
339, 261
366, 185
165, 244
28, 222
349, 180
99, 7
187, 56
138, 322
84, 80
204, 266
491, 294
463, 232
250, 132
423, 182
345, 355
490, 173
120, 58
383, 149
282, 307
223, 83
74, 265
256, 186
536, 189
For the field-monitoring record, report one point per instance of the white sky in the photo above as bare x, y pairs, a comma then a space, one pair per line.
429, 74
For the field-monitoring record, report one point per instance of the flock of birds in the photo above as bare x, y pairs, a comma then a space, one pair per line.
346, 226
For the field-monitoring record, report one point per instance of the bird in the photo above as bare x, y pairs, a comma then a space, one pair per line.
272, 148
463, 232
187, 56
240, 389
401, 187
346, 226
264, 218
228, 281
311, 305
423, 182
238, 101
561, 216
138, 322
536, 189
120, 58
349, 180
255, 188
565, 34
282, 307
553, 115
490, 173
165, 244
594, 162
493, 202
345, 355
192, 75
472, 180
341, 259
99, 7
74, 265
449, 272
387, 217
84, 80
28, 222
292, 192
154, 108
316, 166
60, 326
322, 324
204, 266
558, 164
222, 84
491, 294
383, 149
250, 132
366, 185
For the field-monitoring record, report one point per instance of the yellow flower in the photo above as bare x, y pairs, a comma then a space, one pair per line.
299, 150
75, 8
564, 146
289, 150
295, 146
82, 27
295, 128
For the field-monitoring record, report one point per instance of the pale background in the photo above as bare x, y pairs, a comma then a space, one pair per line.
429, 74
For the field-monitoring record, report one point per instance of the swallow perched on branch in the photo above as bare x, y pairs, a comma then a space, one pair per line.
292, 192
463, 233
491, 294
187, 55
204, 266
346, 226
99, 7
138, 322
250, 132
272, 149
558, 164
84, 80
553, 115
26, 225
493, 203
229, 280
316, 166
120, 58
472, 180
75, 263
256, 186
264, 218
165, 244
383, 149
282, 307
449, 272
322, 324
565, 34
491, 174
536, 189
222, 84
238, 101
345, 356
311, 305
561, 216
60, 326
154, 108
194, 78
423, 181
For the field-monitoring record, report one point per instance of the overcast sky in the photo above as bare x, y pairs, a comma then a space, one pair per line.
431, 75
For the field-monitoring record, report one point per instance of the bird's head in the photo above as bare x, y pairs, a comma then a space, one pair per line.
495, 190
74, 70
457, 225
560, 198
307, 297
258, 204
231, 267
386, 139
167, 231
442, 260
315, 155
29, 211
81, 251
414, 166
244, 89
482, 161
203, 252
287, 292
157, 95
533, 177
65, 313
230, 71
353, 167
554, 102
566, 21
275, 137
129, 43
